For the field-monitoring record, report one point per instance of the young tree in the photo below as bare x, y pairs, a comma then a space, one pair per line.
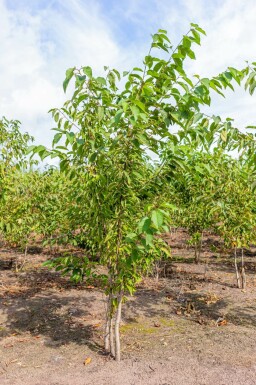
110, 126
189, 190
233, 205
13, 151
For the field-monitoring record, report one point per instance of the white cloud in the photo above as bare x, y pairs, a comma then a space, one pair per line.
230, 27
38, 45
38, 49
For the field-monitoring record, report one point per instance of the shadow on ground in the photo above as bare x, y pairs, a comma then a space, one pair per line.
46, 304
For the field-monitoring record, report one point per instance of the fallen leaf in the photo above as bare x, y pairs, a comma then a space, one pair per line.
96, 325
87, 361
210, 298
221, 321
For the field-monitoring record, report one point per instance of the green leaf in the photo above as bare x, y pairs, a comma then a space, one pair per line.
93, 157
70, 137
101, 81
157, 218
140, 105
63, 165
56, 138
88, 71
197, 117
100, 112
135, 112
196, 26
162, 31
144, 225
223, 135
131, 237
149, 239
118, 116
69, 75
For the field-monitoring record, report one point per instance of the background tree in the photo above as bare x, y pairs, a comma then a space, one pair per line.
13, 157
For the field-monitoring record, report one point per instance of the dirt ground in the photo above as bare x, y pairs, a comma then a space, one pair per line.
192, 326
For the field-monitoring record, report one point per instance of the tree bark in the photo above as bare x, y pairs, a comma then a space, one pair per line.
111, 337
117, 327
237, 272
200, 247
107, 327
243, 275
197, 252
106, 337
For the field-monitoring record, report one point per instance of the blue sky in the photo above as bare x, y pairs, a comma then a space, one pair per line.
40, 39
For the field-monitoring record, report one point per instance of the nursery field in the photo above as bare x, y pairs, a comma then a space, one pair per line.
191, 324
128, 258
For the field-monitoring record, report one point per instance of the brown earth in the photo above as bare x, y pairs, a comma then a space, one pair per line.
192, 326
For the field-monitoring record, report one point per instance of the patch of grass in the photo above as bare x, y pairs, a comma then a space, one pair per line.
143, 327
138, 327
166, 322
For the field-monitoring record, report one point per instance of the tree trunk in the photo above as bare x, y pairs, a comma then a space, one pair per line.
25, 258
109, 337
106, 337
117, 327
200, 247
51, 244
237, 272
206, 267
157, 269
107, 327
243, 275
197, 253
19, 267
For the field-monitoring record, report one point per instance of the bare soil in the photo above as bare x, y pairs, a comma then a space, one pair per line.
191, 326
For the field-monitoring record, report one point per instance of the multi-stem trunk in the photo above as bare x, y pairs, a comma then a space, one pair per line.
112, 329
